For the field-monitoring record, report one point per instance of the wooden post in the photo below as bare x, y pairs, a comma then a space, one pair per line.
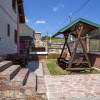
68, 48
72, 58
88, 44
85, 54
62, 51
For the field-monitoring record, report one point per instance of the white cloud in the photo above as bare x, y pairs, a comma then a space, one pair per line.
38, 22
55, 8
61, 5
27, 20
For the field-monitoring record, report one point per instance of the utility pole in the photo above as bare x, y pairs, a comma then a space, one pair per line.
50, 37
70, 17
47, 36
70, 22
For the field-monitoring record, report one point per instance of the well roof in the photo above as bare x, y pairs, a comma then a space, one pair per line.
89, 26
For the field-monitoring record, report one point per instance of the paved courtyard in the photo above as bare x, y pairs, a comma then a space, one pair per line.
68, 87
73, 87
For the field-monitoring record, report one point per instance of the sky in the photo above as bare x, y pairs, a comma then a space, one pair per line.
49, 15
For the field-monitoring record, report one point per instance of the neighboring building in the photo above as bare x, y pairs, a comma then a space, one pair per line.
27, 36
8, 25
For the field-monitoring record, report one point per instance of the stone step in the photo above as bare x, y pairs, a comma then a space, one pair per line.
21, 76
31, 81
1, 59
4, 65
41, 87
11, 71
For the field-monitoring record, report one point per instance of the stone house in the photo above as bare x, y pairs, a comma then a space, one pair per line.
11, 14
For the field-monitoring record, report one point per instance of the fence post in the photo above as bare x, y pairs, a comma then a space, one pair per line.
88, 44
74, 43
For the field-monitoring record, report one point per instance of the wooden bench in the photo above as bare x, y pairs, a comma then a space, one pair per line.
62, 57
24, 56
78, 60
77, 63
18, 58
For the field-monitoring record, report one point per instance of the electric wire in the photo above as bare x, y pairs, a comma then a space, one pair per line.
73, 14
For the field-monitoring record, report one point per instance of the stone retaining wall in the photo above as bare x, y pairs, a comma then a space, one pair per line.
15, 92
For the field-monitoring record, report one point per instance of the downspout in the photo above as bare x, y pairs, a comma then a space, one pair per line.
18, 36
17, 28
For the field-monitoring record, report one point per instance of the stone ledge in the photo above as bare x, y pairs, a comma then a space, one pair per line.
45, 68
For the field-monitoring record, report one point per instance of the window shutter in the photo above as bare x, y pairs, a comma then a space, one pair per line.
15, 36
8, 32
14, 4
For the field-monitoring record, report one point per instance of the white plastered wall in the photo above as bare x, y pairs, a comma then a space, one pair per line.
7, 16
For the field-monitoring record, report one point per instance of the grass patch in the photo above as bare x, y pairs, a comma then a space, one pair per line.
61, 69
51, 64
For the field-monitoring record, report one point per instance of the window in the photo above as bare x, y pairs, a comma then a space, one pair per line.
8, 30
14, 4
15, 36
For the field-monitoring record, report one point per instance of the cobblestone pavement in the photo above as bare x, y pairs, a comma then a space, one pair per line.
35, 66
73, 87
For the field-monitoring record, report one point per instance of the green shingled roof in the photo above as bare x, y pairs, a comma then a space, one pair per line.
25, 32
77, 20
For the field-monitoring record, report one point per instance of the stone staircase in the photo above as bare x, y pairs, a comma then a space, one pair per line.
17, 83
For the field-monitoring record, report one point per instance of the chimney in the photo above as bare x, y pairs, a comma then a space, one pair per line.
33, 35
38, 36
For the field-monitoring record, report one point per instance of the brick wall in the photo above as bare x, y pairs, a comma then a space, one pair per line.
7, 16
38, 36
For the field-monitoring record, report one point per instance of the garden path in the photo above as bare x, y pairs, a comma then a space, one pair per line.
73, 87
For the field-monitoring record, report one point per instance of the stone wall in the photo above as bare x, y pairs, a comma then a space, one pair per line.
38, 44
14, 91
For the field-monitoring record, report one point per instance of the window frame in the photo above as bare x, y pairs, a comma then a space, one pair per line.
8, 30
15, 38
14, 5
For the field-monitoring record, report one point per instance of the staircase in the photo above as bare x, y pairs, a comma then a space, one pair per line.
17, 83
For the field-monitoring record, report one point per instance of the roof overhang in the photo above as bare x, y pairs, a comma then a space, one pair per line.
70, 29
21, 11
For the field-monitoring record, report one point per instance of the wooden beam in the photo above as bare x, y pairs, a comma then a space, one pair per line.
62, 50
79, 69
68, 47
84, 51
69, 32
89, 32
72, 58
57, 34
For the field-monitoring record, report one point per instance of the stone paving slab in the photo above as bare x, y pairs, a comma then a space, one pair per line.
68, 87
81, 98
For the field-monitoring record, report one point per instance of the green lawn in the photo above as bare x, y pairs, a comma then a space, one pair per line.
51, 64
